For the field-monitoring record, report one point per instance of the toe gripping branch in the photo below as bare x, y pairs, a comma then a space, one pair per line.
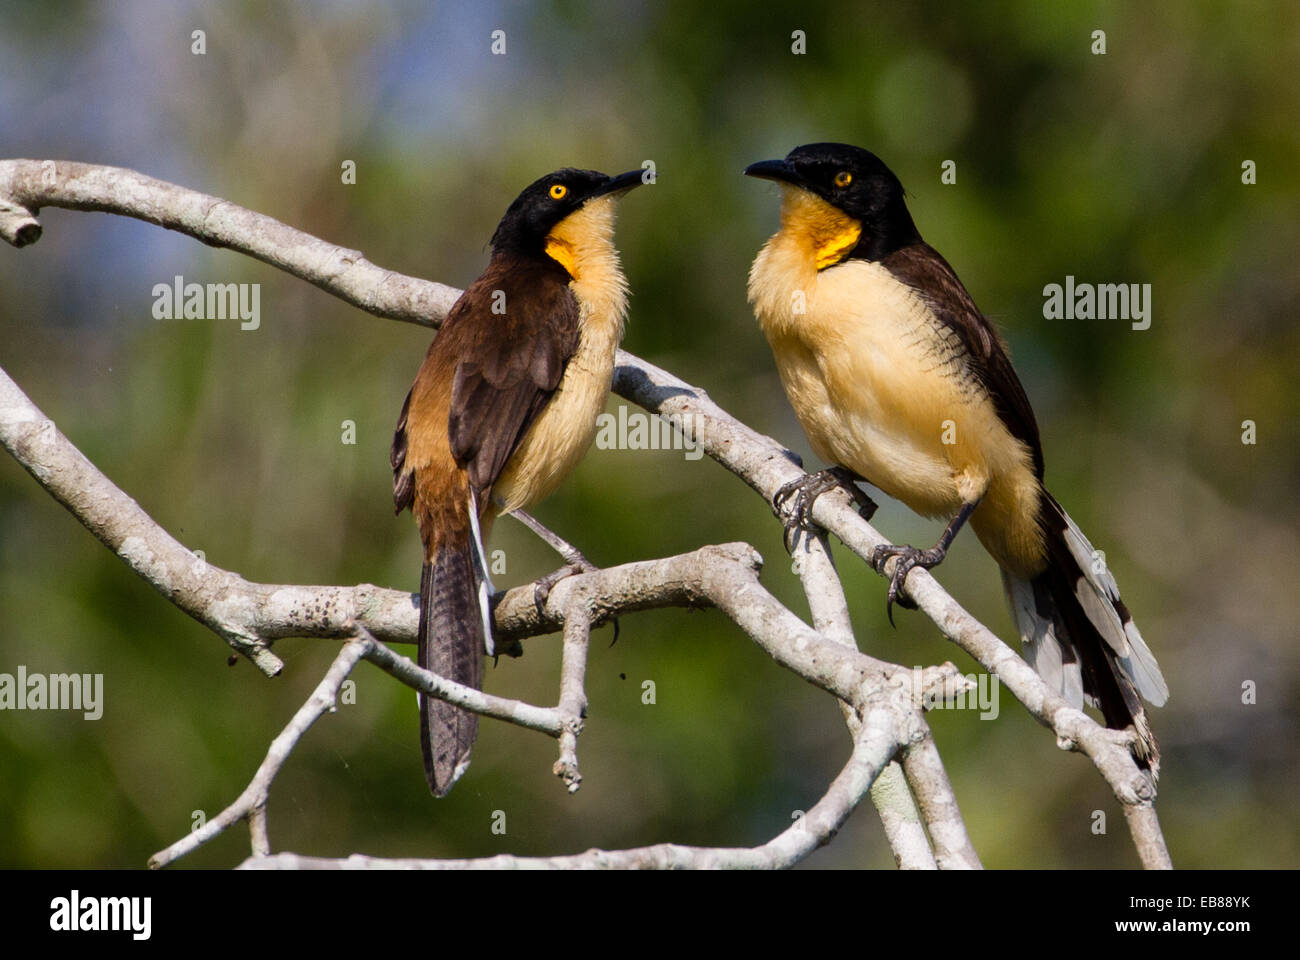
909, 557
805, 491
574, 564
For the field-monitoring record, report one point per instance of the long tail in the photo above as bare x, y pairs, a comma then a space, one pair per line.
1078, 634
451, 644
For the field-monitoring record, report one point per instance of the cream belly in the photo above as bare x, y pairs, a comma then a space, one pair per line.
879, 385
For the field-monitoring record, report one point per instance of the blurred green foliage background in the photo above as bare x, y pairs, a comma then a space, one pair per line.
1123, 167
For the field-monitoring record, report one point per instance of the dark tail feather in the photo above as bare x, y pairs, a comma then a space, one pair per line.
451, 645
1079, 636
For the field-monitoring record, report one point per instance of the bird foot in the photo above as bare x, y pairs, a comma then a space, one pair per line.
907, 558
805, 491
576, 564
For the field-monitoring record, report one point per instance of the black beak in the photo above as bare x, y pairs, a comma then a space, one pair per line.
778, 170
619, 184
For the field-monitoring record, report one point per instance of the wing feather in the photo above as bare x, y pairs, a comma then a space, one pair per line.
923, 269
499, 370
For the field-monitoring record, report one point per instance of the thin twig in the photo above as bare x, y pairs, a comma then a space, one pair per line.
573, 693
814, 829
28, 185
251, 804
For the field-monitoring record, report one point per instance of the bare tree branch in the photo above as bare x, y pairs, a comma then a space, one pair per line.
573, 687
890, 794
902, 822
929, 782
28, 185
120, 523
705, 575
815, 828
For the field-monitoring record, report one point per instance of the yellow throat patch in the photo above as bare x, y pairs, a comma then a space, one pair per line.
829, 233
562, 253
585, 238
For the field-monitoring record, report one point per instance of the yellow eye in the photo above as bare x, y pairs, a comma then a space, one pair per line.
559, 191
843, 178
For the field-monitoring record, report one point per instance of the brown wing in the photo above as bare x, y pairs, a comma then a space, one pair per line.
922, 268
512, 366
496, 362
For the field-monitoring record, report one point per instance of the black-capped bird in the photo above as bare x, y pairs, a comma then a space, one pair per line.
899, 380
502, 409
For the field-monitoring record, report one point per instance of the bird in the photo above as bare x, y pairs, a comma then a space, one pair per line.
503, 407
899, 380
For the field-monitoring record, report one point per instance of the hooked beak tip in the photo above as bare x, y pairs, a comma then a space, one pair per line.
777, 170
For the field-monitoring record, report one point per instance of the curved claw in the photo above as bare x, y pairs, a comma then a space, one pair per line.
806, 489
908, 557
799, 516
